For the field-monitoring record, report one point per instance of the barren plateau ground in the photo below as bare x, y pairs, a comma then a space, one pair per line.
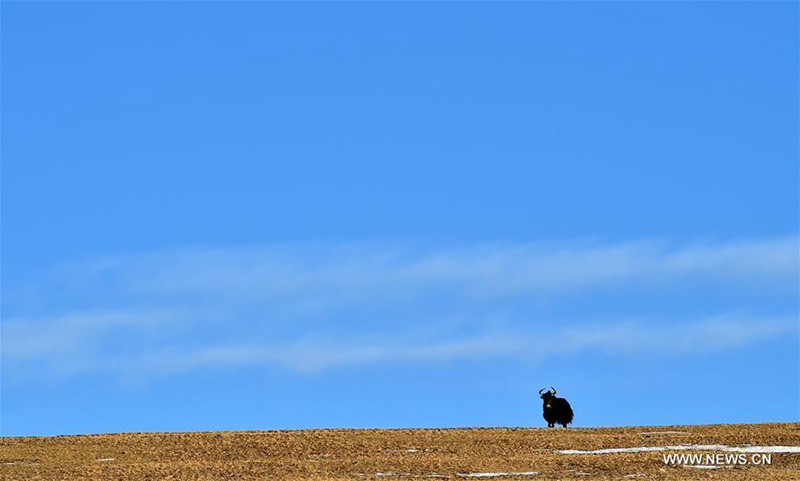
457, 454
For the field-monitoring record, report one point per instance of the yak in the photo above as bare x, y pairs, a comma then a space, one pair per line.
556, 410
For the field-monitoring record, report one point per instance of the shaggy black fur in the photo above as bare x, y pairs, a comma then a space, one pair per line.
556, 410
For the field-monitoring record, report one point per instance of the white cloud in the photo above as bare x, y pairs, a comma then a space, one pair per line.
204, 305
358, 271
304, 355
25, 338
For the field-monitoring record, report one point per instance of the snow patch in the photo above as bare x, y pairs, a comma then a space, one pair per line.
412, 450
103, 460
694, 447
398, 475
19, 462
493, 475
767, 449
666, 432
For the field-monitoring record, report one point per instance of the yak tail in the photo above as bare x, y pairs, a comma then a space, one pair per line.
568, 414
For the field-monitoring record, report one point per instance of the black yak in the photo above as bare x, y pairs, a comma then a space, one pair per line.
556, 410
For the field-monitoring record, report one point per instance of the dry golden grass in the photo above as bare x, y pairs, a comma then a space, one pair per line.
339, 454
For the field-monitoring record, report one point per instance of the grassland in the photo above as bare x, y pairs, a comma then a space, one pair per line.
353, 454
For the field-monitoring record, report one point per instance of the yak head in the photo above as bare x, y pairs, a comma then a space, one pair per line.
547, 396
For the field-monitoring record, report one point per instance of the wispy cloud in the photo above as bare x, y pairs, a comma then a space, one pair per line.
320, 276
79, 341
621, 338
497, 267
72, 353
194, 308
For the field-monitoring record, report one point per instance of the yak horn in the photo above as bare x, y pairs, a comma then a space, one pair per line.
554, 390
540, 391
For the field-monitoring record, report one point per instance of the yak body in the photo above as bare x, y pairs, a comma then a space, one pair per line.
556, 410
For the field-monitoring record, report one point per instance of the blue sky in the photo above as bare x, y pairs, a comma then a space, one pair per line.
287, 215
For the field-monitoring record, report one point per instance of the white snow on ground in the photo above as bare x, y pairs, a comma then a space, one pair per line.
766, 449
106, 459
493, 475
400, 475
666, 432
462, 475
696, 447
